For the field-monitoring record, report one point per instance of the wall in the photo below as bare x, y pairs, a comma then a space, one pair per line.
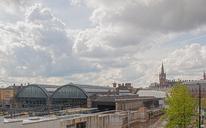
119, 119
6, 95
128, 105
11, 125
43, 124
110, 120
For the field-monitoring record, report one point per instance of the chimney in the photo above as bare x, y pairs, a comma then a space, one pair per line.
114, 85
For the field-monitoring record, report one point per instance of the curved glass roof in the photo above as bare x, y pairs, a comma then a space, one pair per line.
32, 91
36, 91
50, 89
94, 88
67, 91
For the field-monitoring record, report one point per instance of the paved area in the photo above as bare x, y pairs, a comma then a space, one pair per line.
160, 123
154, 123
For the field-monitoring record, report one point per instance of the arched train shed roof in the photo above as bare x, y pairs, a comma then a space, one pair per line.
67, 91
94, 89
79, 91
36, 91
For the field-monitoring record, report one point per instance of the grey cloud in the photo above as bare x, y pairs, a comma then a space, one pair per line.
130, 27
187, 62
27, 61
12, 11
36, 12
39, 46
115, 48
162, 15
133, 27
105, 42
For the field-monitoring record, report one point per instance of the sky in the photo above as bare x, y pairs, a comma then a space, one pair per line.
101, 41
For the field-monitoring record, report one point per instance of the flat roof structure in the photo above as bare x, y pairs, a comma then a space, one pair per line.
154, 93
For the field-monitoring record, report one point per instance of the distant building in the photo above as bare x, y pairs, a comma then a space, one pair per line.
7, 96
194, 87
124, 88
163, 81
165, 84
52, 97
59, 97
112, 110
162, 78
204, 76
160, 95
111, 107
152, 93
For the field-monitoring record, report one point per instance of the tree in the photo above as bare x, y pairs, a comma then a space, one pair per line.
181, 107
203, 101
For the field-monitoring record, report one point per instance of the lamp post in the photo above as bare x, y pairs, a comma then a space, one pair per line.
128, 119
199, 85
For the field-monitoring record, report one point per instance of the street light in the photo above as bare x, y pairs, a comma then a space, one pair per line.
128, 119
199, 104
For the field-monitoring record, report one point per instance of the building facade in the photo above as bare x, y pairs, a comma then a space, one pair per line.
192, 85
6, 97
58, 97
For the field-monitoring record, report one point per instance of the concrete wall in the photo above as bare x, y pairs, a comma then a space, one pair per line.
129, 105
111, 120
119, 119
6, 96
43, 124
11, 125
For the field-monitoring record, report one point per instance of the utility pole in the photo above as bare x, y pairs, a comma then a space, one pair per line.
49, 105
199, 105
128, 119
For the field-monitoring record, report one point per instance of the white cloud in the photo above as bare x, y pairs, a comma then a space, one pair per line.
133, 28
130, 27
126, 42
188, 62
162, 15
76, 2
39, 46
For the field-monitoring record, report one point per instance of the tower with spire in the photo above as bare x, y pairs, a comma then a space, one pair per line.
162, 77
204, 76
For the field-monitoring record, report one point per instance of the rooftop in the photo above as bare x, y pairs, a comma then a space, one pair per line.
154, 93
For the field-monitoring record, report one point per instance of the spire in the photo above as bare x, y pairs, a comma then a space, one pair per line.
162, 69
162, 76
204, 76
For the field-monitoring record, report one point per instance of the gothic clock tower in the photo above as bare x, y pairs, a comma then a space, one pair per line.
162, 77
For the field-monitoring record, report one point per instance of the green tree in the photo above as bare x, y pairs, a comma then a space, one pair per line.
181, 107
203, 101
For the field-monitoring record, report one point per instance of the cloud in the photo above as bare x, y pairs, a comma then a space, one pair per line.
188, 62
76, 2
162, 15
134, 29
128, 27
39, 46
126, 42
